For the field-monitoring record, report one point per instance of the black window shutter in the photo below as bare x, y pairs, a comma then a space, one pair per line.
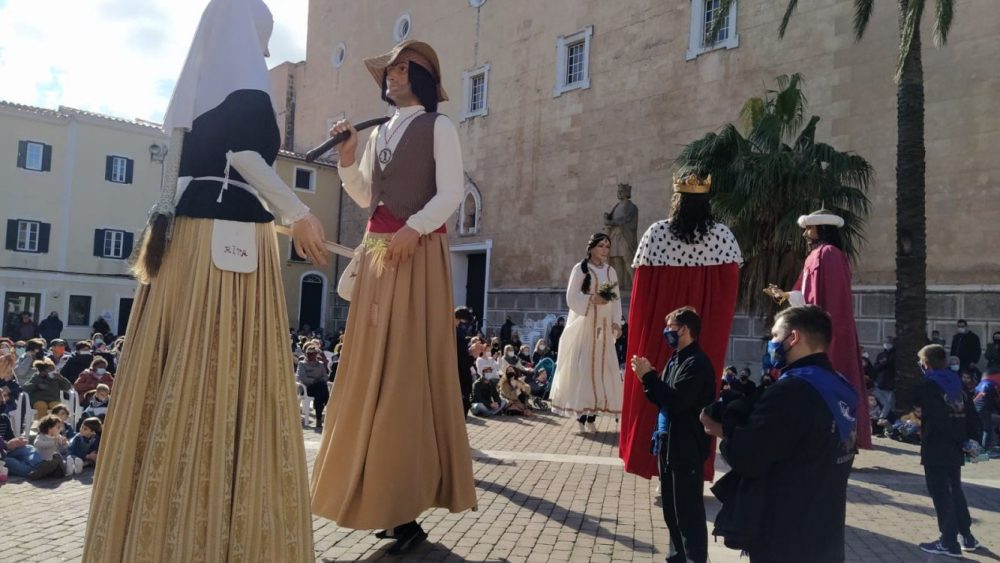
127, 244
109, 164
99, 242
22, 154
46, 158
11, 234
129, 165
44, 230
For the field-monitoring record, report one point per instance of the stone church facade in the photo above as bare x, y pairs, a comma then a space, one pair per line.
558, 102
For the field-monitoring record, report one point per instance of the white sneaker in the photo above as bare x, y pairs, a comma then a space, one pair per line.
591, 427
68, 467
78, 465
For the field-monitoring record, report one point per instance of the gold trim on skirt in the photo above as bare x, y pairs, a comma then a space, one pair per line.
202, 457
395, 442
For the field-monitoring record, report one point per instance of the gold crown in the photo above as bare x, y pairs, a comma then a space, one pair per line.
692, 184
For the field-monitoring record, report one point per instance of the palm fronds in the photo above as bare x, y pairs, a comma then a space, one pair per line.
766, 176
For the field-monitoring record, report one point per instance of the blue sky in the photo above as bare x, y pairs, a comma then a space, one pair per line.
119, 57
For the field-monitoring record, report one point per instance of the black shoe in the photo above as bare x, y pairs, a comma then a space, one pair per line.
386, 534
939, 548
408, 541
46, 469
970, 543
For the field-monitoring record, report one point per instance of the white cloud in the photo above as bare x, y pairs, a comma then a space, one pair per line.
119, 57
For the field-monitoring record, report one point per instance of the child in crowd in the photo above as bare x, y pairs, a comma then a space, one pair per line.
85, 444
63, 413
97, 406
46, 387
906, 429
515, 392
50, 443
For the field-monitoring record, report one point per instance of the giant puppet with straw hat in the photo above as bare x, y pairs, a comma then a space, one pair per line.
394, 443
825, 281
202, 456
687, 260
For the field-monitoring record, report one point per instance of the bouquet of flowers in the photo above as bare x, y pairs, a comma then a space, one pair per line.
608, 291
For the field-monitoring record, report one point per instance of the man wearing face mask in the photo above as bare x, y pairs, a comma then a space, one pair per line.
51, 328
826, 282
797, 442
686, 386
966, 345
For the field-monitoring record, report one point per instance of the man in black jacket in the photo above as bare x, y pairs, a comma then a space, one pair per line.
795, 447
966, 345
948, 419
685, 388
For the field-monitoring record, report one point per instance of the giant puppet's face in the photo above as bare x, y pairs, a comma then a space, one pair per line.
397, 82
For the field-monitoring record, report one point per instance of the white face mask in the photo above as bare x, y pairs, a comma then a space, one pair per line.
887, 346
101, 371
20, 351
962, 329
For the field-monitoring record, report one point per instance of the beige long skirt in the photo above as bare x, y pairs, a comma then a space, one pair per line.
395, 443
202, 456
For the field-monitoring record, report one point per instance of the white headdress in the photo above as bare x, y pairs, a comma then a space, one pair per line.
227, 55
821, 217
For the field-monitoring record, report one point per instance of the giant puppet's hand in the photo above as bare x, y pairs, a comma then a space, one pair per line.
402, 246
309, 240
347, 150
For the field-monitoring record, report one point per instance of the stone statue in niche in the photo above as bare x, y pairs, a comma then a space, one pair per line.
622, 224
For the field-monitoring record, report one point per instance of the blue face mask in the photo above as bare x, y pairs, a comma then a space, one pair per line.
954, 368
672, 337
776, 350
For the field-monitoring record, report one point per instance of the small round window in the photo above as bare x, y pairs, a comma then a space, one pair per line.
339, 54
402, 28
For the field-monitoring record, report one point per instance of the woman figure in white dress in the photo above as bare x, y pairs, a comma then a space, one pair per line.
587, 378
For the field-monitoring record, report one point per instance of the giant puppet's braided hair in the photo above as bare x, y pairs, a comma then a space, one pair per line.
595, 239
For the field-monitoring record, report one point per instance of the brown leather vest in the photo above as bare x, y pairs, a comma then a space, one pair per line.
408, 182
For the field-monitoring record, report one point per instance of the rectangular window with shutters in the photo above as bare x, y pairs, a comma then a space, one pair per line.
475, 84
113, 243
305, 179
118, 169
573, 61
32, 155
28, 236
79, 310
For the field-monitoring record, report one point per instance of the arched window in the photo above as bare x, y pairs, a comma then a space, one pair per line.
470, 212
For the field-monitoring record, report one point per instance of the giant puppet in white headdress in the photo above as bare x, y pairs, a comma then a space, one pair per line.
202, 455
826, 282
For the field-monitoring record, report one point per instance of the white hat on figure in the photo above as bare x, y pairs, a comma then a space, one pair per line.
821, 217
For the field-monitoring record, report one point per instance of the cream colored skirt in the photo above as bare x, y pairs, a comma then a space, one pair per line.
202, 456
395, 443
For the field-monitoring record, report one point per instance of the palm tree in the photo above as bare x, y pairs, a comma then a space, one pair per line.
766, 176
911, 166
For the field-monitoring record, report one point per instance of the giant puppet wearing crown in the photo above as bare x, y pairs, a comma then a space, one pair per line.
686, 260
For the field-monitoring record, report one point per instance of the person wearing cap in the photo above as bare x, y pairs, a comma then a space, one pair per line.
687, 260
202, 457
825, 281
57, 353
394, 408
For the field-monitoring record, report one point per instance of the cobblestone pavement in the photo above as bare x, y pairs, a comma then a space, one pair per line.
548, 494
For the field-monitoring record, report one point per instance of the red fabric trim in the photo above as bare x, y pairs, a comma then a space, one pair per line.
384, 222
656, 291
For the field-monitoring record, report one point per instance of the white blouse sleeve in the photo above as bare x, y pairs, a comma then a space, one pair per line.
357, 178
616, 305
576, 299
449, 177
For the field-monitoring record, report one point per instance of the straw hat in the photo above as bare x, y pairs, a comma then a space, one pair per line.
413, 51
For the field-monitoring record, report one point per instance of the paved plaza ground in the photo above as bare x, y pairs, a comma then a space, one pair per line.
549, 494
